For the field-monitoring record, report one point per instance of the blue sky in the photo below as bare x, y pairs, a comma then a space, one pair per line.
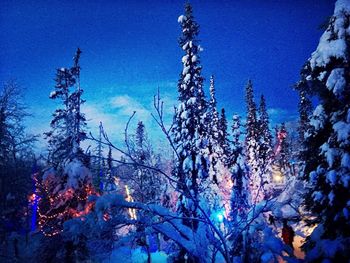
130, 48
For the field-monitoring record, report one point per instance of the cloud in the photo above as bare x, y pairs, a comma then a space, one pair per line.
114, 112
278, 115
126, 105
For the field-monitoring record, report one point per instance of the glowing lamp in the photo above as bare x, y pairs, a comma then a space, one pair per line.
219, 216
278, 178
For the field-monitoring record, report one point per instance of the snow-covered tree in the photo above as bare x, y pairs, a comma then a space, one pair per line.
97, 162
65, 187
109, 182
215, 150
265, 143
240, 191
68, 123
189, 129
223, 136
328, 141
252, 147
145, 184
64, 195
305, 110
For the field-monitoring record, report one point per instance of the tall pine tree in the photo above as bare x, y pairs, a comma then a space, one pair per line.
240, 192
305, 110
65, 187
328, 141
265, 143
215, 150
223, 136
189, 129
68, 123
252, 147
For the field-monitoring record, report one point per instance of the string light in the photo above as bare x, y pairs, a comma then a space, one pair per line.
132, 212
46, 222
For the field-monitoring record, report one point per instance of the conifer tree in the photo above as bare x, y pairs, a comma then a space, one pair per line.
145, 183
223, 136
189, 129
282, 152
215, 150
217, 189
110, 183
68, 123
265, 143
65, 187
305, 110
328, 140
240, 191
252, 147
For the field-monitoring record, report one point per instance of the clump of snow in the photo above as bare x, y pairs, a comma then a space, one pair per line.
336, 81
318, 118
333, 41
342, 130
342, 5
322, 75
330, 153
187, 78
184, 47
77, 173
185, 70
194, 59
313, 177
332, 177
331, 197
181, 19
345, 161
184, 58
53, 94
327, 49
318, 196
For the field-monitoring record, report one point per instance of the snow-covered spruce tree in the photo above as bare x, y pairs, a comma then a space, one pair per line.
252, 147
240, 193
223, 136
66, 186
145, 184
189, 121
68, 123
97, 167
305, 110
109, 180
215, 150
328, 172
265, 143
218, 187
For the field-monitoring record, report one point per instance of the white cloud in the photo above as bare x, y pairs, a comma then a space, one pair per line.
126, 105
278, 115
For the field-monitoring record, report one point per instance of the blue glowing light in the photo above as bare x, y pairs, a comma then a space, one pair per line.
220, 217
